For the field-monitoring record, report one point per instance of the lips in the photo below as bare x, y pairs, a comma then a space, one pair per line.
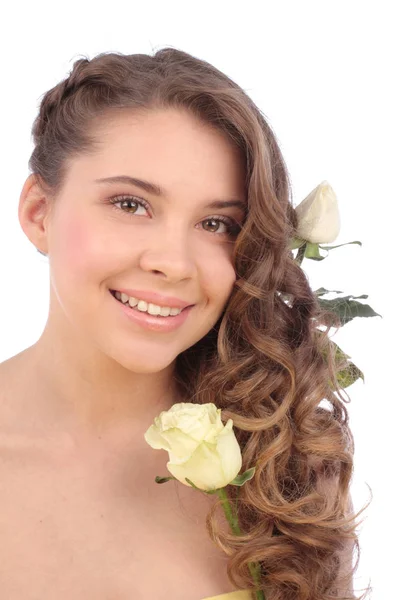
135, 307
153, 323
155, 298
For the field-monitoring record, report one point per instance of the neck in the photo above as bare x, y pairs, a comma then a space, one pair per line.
89, 394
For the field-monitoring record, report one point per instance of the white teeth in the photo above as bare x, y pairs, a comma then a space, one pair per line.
132, 302
154, 309
143, 306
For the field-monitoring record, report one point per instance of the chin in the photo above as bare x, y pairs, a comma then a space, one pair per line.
144, 365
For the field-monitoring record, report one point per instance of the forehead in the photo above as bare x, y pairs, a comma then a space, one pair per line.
169, 141
117, 123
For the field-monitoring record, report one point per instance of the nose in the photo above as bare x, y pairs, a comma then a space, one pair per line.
169, 252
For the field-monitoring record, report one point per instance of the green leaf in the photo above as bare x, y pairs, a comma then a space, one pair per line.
163, 479
312, 250
349, 375
346, 244
349, 372
340, 356
322, 291
347, 307
241, 479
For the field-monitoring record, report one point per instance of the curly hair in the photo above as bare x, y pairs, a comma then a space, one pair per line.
268, 363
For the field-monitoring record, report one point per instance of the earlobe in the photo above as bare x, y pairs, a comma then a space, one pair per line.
33, 211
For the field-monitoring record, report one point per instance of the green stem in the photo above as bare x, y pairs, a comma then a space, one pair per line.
300, 254
254, 568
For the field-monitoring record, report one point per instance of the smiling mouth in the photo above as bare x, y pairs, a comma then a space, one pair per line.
135, 308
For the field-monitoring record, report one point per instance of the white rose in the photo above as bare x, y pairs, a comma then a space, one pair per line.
199, 446
318, 213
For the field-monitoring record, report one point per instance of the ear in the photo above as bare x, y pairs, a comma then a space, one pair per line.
34, 212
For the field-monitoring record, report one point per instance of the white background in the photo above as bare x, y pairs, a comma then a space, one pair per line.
325, 74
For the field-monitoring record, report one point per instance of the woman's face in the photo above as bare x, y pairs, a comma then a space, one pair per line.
170, 244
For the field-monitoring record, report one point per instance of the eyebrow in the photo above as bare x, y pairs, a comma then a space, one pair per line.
153, 188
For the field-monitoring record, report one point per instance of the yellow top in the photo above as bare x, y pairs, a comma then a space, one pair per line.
239, 595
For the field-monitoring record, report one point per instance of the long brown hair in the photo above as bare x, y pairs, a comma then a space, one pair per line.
268, 363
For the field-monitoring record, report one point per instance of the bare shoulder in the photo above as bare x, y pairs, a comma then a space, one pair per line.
12, 372
15, 388
7, 389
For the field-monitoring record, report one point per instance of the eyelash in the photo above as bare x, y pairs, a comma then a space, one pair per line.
233, 227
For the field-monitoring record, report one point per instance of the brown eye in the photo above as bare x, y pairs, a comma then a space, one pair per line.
129, 202
137, 202
214, 224
233, 228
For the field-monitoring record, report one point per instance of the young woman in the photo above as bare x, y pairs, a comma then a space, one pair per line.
157, 183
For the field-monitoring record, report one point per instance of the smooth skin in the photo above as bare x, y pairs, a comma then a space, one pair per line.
80, 513
97, 372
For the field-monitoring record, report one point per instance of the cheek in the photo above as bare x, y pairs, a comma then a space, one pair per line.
76, 242
220, 282
79, 249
